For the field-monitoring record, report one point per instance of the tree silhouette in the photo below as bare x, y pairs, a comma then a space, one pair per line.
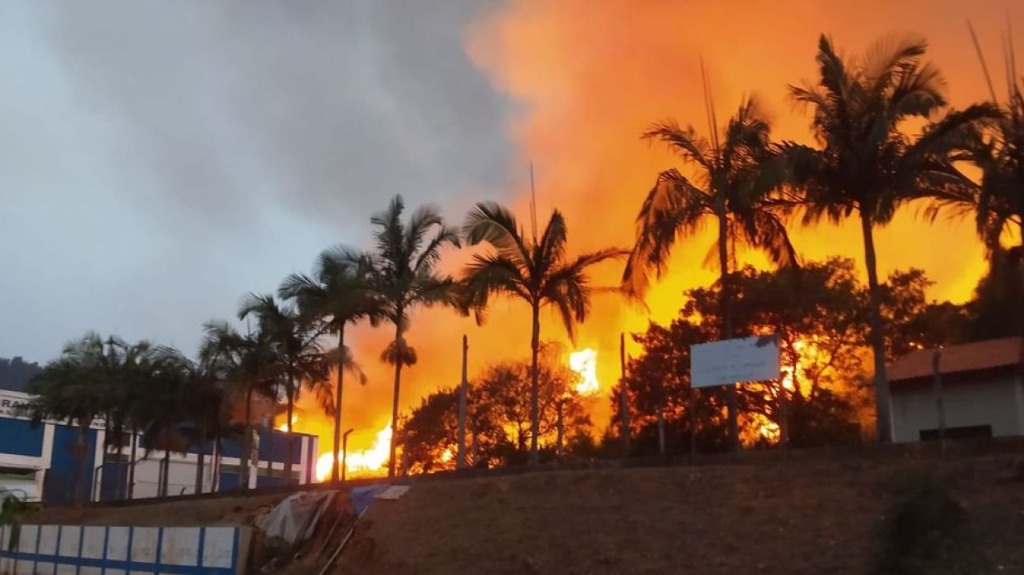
732, 188
537, 271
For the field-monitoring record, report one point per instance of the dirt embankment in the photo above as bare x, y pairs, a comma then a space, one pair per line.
786, 517
224, 511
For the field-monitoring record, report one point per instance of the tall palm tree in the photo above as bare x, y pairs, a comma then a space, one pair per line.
537, 271
245, 365
165, 409
867, 166
71, 388
405, 276
337, 294
296, 339
997, 148
732, 188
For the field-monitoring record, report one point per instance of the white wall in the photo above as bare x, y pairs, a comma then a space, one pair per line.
92, 550
986, 399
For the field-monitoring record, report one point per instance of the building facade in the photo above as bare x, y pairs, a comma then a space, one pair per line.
973, 390
48, 462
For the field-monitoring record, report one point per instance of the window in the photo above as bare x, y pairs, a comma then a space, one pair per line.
959, 433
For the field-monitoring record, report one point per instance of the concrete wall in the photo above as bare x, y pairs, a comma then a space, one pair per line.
103, 550
995, 399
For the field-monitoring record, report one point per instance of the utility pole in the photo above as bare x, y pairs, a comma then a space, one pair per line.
940, 407
623, 398
344, 451
460, 461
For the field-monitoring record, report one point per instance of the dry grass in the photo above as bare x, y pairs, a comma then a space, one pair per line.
784, 517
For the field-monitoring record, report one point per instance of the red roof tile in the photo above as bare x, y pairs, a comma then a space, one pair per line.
974, 356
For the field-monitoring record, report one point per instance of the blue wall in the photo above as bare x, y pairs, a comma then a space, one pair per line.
66, 467
18, 438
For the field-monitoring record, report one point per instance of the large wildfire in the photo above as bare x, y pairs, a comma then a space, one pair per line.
590, 77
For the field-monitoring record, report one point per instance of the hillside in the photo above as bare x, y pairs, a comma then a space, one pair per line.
788, 517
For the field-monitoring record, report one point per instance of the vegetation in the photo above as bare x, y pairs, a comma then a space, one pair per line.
537, 271
500, 417
884, 139
404, 276
733, 189
337, 294
867, 167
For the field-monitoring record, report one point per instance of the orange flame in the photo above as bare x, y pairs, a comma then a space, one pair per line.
584, 362
367, 463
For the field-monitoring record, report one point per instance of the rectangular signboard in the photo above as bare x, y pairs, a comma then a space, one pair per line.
734, 361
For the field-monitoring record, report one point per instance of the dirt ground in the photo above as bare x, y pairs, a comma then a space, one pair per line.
786, 517
208, 512
796, 516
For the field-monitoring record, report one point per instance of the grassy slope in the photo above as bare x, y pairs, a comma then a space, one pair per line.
784, 517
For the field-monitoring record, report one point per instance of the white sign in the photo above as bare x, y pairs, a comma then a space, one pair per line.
13, 403
734, 361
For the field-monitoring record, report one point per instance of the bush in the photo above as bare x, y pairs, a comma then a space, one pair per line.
926, 530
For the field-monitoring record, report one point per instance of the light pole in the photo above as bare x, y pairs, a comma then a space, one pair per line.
344, 451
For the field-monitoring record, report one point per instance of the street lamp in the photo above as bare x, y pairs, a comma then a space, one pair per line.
344, 451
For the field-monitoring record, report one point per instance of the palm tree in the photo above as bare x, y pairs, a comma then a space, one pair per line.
164, 410
296, 340
404, 276
997, 148
732, 188
538, 271
866, 166
243, 364
337, 294
71, 388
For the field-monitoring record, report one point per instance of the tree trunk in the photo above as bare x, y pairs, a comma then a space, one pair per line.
661, 430
392, 463
535, 387
392, 449
623, 398
460, 460
200, 463
339, 383
131, 465
243, 463
289, 439
119, 485
165, 479
877, 336
726, 312
83, 463
560, 427
1020, 265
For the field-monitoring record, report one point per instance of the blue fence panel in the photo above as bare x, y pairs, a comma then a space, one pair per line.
68, 467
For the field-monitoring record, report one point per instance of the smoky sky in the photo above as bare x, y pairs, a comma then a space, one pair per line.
160, 159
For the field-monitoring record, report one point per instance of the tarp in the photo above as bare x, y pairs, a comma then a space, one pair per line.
295, 518
393, 492
361, 497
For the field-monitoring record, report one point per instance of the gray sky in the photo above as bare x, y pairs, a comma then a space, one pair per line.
159, 159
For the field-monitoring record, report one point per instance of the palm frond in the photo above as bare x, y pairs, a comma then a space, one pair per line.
685, 141
674, 207
494, 224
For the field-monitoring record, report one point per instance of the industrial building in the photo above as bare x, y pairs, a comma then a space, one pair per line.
973, 390
47, 461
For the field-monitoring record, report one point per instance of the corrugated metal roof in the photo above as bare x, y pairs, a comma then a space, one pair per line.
961, 358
